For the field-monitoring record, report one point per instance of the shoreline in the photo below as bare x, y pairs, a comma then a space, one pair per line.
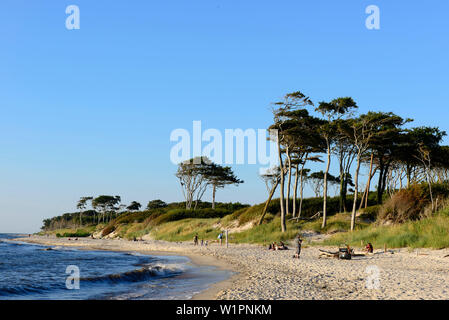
403, 274
196, 259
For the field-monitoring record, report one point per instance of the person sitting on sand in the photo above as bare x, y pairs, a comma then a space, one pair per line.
298, 243
282, 246
369, 248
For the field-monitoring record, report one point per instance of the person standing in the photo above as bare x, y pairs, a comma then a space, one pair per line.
195, 240
220, 238
298, 244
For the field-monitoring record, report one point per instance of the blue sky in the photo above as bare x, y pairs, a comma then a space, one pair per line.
90, 111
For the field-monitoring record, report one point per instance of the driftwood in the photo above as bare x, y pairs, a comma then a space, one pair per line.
330, 254
315, 216
446, 256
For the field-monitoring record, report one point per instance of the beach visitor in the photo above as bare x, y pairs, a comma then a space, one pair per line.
282, 246
298, 243
369, 248
195, 240
220, 238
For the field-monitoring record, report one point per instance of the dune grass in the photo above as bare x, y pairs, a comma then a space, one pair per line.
340, 222
432, 232
71, 232
208, 229
186, 229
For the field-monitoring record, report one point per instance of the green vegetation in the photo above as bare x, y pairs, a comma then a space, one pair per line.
79, 233
431, 232
410, 164
182, 225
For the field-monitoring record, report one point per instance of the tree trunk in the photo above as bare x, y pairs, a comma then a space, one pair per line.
325, 185
364, 201
356, 186
409, 175
295, 189
384, 180
281, 200
289, 181
369, 178
430, 189
213, 196
345, 191
379, 185
341, 208
265, 208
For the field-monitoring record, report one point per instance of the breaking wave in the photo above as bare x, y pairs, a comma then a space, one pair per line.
142, 274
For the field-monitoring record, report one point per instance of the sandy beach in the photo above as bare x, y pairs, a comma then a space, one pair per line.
266, 274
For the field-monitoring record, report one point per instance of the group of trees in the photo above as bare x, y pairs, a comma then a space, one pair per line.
197, 174
305, 133
101, 209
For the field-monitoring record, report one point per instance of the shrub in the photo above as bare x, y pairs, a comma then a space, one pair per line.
410, 204
370, 213
156, 204
78, 234
131, 217
109, 229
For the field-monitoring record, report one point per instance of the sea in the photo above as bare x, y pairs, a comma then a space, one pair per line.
37, 272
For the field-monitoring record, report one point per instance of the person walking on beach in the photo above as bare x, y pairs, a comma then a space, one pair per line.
298, 243
195, 240
220, 238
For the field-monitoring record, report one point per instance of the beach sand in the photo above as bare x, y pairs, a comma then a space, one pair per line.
266, 274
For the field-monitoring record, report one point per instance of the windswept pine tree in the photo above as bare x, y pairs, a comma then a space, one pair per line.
332, 112
134, 206
106, 205
219, 177
81, 206
197, 174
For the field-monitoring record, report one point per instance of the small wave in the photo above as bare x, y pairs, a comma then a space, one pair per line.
23, 290
142, 274
136, 254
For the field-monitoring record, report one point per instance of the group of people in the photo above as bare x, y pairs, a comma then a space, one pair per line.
275, 246
282, 246
205, 243
195, 241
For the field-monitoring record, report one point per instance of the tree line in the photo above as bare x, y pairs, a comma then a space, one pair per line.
96, 210
304, 133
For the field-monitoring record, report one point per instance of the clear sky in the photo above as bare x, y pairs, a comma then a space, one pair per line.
90, 111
